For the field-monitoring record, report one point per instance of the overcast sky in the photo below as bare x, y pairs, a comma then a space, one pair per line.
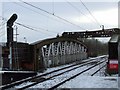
48, 26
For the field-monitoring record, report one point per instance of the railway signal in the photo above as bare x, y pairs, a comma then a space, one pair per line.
10, 29
10, 23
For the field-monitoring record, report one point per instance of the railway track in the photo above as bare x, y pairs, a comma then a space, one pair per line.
74, 76
98, 70
55, 76
42, 78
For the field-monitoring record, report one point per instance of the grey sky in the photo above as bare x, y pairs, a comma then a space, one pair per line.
105, 12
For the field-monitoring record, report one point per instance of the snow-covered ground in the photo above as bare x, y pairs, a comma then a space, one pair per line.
91, 82
82, 81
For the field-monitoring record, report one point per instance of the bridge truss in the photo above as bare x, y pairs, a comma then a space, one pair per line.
58, 51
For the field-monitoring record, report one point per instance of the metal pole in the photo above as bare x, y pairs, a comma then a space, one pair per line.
1, 60
119, 38
16, 50
96, 48
119, 58
10, 56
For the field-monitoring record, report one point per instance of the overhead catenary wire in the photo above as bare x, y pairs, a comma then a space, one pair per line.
36, 11
55, 19
32, 27
41, 13
77, 9
90, 13
53, 7
52, 14
39, 28
25, 26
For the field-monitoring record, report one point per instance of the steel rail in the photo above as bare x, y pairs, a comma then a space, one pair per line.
98, 70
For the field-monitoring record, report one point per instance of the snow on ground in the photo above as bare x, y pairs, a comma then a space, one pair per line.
62, 66
82, 81
49, 83
55, 68
56, 80
91, 82
91, 71
119, 83
85, 80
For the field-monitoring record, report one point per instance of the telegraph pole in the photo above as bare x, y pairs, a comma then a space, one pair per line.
10, 36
